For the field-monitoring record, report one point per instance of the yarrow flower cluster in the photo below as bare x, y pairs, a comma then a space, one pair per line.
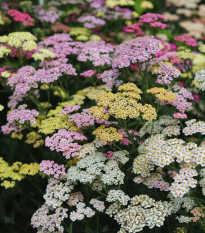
143, 211
64, 141
137, 50
90, 21
21, 17
51, 168
187, 39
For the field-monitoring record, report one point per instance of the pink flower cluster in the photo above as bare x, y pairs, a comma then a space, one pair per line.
178, 115
181, 102
187, 39
109, 77
165, 73
152, 19
46, 15
91, 21
21, 115
52, 168
137, 50
61, 45
88, 73
98, 52
84, 119
64, 141
70, 108
21, 17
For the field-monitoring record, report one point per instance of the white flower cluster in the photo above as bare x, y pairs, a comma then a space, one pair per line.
98, 205
81, 212
193, 127
200, 78
143, 211
183, 219
57, 192
90, 167
119, 196
202, 181
156, 127
44, 221
181, 202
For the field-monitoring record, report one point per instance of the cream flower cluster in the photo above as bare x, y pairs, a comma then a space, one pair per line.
161, 152
143, 211
88, 168
98, 205
119, 196
57, 192
202, 181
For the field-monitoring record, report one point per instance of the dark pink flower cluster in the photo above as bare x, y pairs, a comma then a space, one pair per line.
137, 50
108, 155
64, 141
187, 39
52, 168
21, 115
133, 28
109, 77
152, 20
88, 73
125, 141
21, 17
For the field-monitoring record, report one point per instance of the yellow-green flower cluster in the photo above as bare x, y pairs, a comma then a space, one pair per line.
5, 74
124, 104
82, 34
16, 172
162, 94
1, 107
16, 39
35, 139
42, 54
107, 134
114, 3
17, 135
202, 48
4, 51
186, 54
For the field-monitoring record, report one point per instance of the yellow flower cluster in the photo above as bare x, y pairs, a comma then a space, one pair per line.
93, 92
162, 94
99, 113
107, 134
124, 104
114, 3
16, 172
35, 139
44, 53
196, 84
82, 34
186, 54
53, 122
147, 5
17, 39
